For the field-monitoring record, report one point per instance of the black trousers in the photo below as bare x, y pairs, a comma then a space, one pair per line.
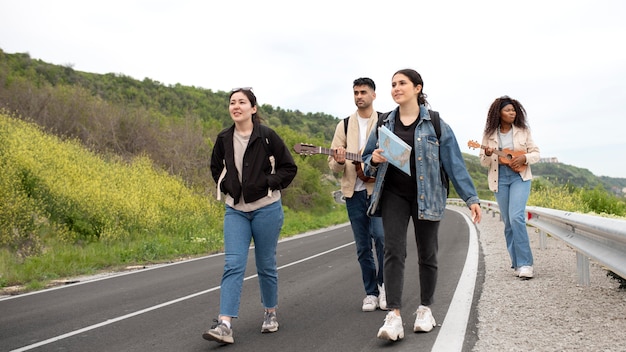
396, 212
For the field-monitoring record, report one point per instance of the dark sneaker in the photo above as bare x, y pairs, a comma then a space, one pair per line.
270, 324
219, 333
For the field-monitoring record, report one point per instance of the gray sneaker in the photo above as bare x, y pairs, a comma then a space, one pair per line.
270, 324
219, 333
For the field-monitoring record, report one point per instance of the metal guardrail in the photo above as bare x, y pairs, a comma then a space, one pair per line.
600, 239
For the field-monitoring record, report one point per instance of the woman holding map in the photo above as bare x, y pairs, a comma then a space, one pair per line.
419, 195
507, 134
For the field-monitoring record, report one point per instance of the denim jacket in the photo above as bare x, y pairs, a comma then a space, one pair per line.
429, 154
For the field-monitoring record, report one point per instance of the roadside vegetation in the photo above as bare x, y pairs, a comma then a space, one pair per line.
103, 172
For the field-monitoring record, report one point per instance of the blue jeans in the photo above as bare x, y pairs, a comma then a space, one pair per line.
263, 226
366, 229
512, 196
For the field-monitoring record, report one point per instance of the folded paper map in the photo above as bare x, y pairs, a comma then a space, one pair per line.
397, 152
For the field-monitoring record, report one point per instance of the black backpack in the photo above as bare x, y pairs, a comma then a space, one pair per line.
434, 117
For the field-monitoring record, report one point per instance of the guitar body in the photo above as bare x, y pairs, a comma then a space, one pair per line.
309, 149
505, 156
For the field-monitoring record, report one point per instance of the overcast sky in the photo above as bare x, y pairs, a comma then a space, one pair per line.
565, 61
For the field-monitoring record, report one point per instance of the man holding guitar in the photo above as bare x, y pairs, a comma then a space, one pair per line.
508, 150
349, 140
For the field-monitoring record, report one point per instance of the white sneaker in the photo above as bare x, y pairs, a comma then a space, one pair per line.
370, 303
526, 272
392, 330
424, 321
382, 297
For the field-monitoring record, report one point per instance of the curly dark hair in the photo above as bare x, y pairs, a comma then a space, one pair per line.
493, 116
416, 79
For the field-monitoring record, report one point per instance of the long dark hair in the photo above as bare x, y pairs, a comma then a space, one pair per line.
250, 94
493, 116
416, 79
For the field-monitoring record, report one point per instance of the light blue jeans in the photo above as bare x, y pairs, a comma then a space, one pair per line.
240, 228
512, 196
368, 234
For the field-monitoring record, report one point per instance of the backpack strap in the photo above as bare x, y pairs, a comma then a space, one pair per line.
381, 117
266, 144
434, 118
266, 139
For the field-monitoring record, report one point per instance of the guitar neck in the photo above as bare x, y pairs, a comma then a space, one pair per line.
349, 156
495, 151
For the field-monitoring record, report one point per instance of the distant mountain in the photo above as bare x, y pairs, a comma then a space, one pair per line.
554, 173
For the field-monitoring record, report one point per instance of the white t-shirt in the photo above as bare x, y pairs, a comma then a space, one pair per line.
360, 185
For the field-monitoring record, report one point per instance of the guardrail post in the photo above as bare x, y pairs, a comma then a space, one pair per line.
582, 264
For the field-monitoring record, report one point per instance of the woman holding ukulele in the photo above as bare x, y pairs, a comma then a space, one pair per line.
510, 178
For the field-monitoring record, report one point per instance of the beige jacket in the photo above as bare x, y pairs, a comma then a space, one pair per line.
522, 140
348, 179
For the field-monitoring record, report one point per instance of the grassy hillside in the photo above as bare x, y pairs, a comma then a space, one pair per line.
66, 211
60, 202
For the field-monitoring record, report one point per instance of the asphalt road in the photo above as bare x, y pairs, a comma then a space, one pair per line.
166, 308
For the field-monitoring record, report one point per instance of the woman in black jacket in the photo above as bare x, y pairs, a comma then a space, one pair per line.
250, 164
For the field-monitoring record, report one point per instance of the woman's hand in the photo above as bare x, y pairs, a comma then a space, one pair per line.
377, 157
518, 162
476, 213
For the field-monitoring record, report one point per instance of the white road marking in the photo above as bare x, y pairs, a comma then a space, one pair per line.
452, 333
165, 304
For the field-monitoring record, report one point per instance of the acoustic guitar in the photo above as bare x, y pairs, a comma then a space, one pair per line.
505, 156
310, 149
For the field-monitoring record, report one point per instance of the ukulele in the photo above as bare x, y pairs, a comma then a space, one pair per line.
309, 149
505, 156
